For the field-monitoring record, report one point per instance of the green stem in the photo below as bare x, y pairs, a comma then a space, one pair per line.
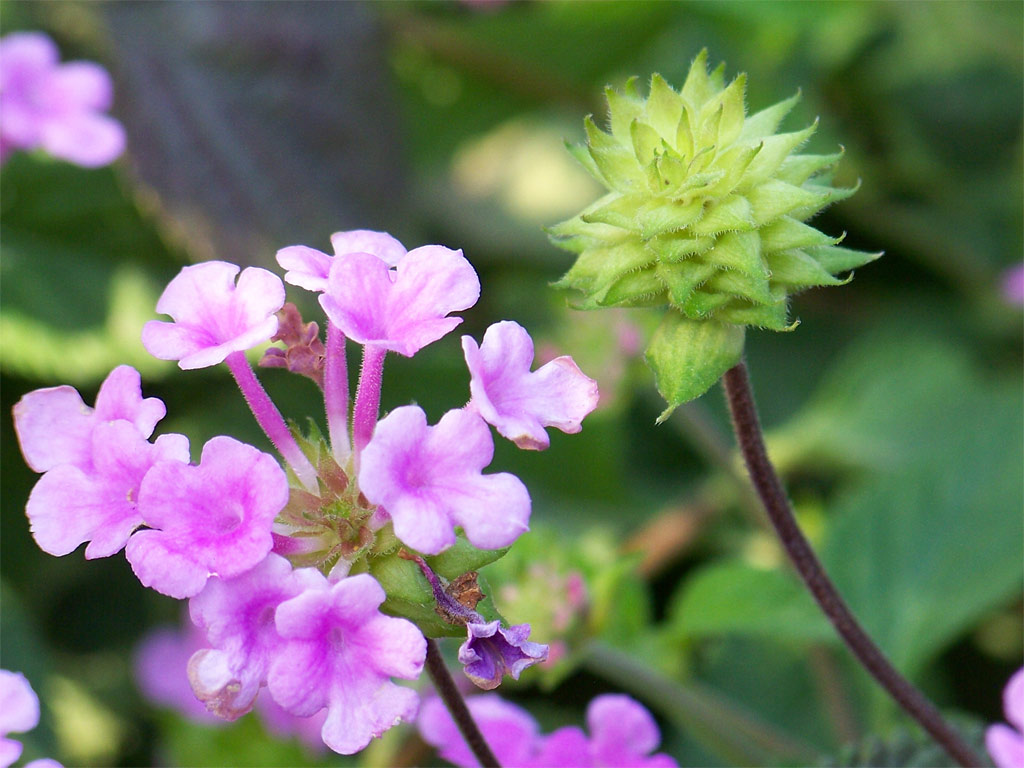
769, 488
457, 708
737, 736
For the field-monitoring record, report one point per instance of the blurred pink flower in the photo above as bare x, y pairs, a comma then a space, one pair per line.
1006, 744
55, 107
1013, 285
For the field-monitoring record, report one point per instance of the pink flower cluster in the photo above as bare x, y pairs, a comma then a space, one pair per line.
622, 733
55, 107
266, 564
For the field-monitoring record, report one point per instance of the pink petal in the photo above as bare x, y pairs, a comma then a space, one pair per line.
380, 244
212, 315
212, 519
120, 397
26, 53
510, 731
19, 705
405, 309
517, 402
53, 427
1013, 700
83, 138
621, 730
82, 85
306, 267
428, 480
1005, 745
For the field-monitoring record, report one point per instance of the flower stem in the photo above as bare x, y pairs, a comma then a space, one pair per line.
271, 420
336, 393
367, 407
456, 705
769, 488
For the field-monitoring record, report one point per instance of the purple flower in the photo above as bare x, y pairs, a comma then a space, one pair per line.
213, 519
510, 731
1005, 743
54, 426
308, 268
213, 316
99, 504
339, 653
491, 651
1013, 285
161, 671
401, 309
19, 711
622, 733
238, 618
428, 479
55, 107
517, 402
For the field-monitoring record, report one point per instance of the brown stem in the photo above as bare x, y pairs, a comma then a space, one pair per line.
457, 708
776, 504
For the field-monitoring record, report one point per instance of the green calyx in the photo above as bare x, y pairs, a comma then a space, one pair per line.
706, 210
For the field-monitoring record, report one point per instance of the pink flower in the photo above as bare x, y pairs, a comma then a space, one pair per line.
428, 479
510, 731
401, 309
213, 316
19, 711
340, 653
54, 426
622, 733
161, 671
55, 107
213, 519
1013, 285
518, 403
238, 618
308, 268
490, 652
99, 504
1004, 743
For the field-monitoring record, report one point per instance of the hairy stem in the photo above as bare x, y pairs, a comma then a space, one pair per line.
769, 488
367, 406
336, 393
457, 708
271, 420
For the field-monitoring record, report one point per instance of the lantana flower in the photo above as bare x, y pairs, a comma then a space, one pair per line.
622, 733
429, 480
55, 107
404, 308
100, 504
210, 519
1005, 743
237, 616
308, 268
339, 653
518, 403
492, 651
214, 316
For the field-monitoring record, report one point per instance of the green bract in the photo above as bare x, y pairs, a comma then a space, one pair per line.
705, 213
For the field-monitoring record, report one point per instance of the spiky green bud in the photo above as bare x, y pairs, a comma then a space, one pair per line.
706, 213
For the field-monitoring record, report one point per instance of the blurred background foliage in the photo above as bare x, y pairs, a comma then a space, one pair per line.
894, 411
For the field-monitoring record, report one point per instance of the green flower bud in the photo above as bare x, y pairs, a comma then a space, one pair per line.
706, 213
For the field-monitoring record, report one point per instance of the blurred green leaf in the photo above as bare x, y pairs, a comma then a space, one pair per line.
733, 597
938, 534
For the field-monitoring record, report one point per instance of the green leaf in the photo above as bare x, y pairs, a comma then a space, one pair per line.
735, 598
937, 522
409, 595
617, 164
689, 356
664, 108
733, 213
764, 123
462, 557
